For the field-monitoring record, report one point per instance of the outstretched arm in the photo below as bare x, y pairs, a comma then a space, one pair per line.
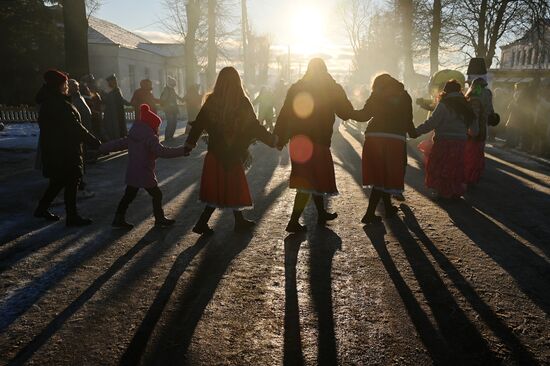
343, 106
282, 126
161, 151
197, 127
365, 114
115, 145
433, 122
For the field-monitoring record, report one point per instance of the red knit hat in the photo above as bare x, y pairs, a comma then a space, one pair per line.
150, 118
55, 78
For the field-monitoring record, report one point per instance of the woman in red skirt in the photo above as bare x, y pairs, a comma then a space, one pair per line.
229, 120
481, 100
452, 121
306, 120
389, 110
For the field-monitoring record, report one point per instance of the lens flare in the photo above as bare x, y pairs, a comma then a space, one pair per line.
301, 149
303, 105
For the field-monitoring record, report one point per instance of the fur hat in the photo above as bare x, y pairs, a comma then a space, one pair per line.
55, 78
149, 117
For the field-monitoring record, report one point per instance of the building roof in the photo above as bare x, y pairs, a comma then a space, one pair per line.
545, 23
103, 32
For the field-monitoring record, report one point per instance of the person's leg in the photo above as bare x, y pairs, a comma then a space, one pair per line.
370, 216
201, 227
300, 202
73, 218
322, 215
54, 187
120, 216
171, 124
242, 224
390, 209
160, 219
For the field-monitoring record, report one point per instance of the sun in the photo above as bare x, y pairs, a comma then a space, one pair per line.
307, 29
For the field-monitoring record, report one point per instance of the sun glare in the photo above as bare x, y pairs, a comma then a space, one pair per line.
307, 29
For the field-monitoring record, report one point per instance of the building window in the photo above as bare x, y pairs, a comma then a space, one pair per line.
530, 57
513, 59
147, 73
132, 77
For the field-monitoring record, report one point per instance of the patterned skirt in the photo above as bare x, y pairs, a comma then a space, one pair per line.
384, 161
224, 187
312, 167
474, 160
445, 168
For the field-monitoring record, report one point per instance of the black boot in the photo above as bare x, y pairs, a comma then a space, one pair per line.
76, 220
293, 225
201, 227
160, 219
322, 215
370, 216
45, 214
120, 222
390, 210
242, 224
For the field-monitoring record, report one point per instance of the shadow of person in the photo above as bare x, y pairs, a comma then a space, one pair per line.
432, 340
137, 345
519, 353
323, 243
153, 235
292, 341
465, 342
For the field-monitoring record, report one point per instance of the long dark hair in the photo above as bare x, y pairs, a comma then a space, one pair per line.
458, 104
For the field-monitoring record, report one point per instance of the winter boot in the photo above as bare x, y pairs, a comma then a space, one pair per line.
76, 220
242, 224
45, 214
322, 215
120, 222
201, 226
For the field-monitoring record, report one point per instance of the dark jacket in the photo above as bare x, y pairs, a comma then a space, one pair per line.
61, 135
114, 117
229, 146
388, 114
319, 101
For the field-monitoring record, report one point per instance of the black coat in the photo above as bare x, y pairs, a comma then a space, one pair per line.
230, 146
325, 99
61, 136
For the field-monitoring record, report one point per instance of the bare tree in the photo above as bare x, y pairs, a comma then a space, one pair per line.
92, 6
406, 15
212, 46
479, 25
435, 34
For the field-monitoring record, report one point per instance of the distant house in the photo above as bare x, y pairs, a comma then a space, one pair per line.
526, 58
113, 49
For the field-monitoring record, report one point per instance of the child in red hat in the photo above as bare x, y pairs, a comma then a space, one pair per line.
143, 149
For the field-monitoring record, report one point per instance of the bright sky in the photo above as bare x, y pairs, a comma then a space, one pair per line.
302, 24
308, 27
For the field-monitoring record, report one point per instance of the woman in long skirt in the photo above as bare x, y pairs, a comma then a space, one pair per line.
230, 122
389, 110
453, 120
306, 121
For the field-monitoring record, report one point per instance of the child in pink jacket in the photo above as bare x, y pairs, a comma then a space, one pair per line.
144, 148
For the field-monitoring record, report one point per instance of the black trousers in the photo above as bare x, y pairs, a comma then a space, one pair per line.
55, 186
131, 193
171, 125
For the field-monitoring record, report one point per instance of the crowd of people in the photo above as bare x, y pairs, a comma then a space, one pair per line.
525, 111
454, 151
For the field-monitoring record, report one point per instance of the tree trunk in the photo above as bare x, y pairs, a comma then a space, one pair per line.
212, 47
481, 47
193, 15
406, 15
434, 37
246, 58
76, 38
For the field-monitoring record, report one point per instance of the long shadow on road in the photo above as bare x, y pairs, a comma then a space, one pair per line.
519, 353
175, 338
153, 235
530, 271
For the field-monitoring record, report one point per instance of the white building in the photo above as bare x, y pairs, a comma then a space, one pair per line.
115, 50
